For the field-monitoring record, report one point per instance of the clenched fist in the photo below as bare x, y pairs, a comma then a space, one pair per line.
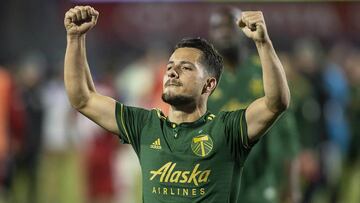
253, 25
80, 19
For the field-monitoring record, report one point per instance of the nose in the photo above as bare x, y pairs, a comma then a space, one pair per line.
172, 73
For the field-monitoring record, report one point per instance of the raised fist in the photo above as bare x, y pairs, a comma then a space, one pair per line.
253, 25
80, 19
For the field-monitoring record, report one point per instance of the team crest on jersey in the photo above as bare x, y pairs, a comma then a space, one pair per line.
202, 145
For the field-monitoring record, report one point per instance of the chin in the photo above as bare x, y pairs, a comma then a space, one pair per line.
178, 99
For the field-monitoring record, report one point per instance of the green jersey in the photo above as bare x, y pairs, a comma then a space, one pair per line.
199, 161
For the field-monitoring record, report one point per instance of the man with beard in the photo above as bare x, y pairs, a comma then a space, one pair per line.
192, 155
243, 69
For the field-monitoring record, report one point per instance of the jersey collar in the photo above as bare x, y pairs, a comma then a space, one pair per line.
202, 120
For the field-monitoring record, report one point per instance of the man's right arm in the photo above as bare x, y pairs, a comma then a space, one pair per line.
78, 81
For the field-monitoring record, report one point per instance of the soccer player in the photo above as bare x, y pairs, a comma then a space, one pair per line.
242, 68
192, 155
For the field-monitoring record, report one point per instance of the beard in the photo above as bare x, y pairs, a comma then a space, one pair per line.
177, 100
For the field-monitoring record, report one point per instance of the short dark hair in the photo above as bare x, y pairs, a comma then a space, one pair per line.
212, 59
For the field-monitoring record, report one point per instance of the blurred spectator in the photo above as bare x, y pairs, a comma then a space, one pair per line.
99, 147
30, 76
336, 120
136, 82
321, 111
132, 91
352, 71
60, 161
99, 168
241, 83
336, 87
311, 96
310, 100
351, 175
128, 176
11, 132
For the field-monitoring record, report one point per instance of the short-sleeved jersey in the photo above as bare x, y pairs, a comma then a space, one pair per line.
199, 161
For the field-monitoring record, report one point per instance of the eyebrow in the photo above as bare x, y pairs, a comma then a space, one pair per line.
182, 62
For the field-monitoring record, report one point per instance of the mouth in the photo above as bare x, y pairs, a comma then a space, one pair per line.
173, 83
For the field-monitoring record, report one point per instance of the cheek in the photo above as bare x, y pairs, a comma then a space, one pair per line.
199, 79
196, 85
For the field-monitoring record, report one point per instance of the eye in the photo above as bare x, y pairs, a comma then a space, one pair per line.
187, 68
168, 67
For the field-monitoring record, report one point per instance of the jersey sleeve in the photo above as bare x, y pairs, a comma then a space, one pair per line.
237, 139
130, 121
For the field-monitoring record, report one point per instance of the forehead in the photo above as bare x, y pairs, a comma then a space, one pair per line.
192, 55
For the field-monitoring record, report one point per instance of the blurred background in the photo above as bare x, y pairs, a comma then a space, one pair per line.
50, 153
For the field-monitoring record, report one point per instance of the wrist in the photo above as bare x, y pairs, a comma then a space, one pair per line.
263, 43
75, 37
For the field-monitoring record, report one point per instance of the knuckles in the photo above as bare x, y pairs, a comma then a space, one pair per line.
78, 10
79, 13
252, 14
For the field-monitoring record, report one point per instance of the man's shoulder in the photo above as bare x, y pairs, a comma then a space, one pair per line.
224, 114
133, 111
157, 113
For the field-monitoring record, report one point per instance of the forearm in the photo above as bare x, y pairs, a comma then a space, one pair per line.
77, 77
277, 94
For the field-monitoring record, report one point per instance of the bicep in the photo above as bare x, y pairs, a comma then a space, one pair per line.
101, 110
259, 118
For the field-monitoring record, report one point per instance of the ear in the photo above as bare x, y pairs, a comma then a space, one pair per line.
209, 85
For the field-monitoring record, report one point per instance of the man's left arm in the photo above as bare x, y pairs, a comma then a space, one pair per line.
263, 112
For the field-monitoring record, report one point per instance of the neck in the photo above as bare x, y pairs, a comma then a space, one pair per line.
186, 114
